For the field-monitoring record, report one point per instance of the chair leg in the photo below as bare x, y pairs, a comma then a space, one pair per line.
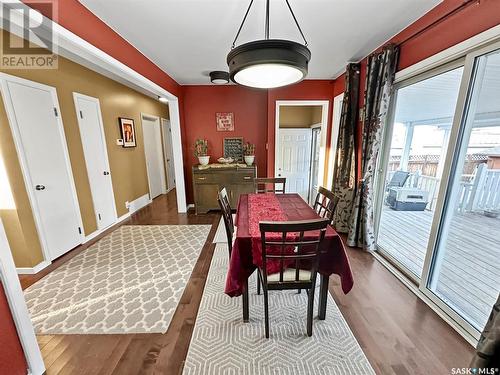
266, 311
258, 282
299, 291
310, 308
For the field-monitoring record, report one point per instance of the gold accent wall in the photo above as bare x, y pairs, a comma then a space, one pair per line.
128, 165
300, 116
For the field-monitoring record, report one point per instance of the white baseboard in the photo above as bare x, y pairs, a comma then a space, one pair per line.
190, 205
33, 270
139, 203
93, 235
123, 217
134, 206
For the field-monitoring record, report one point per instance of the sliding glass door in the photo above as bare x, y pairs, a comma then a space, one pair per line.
422, 120
465, 272
438, 204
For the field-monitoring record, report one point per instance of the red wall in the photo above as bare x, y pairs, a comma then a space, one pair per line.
12, 359
305, 90
468, 22
250, 122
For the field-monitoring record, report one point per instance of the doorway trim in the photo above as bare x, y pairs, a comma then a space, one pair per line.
163, 178
77, 95
14, 127
170, 186
77, 49
18, 308
324, 127
334, 136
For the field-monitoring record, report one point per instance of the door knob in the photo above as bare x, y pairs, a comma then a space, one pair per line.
40, 187
106, 173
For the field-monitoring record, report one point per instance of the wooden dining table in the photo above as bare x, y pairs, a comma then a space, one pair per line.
245, 256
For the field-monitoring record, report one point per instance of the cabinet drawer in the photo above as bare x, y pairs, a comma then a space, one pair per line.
244, 178
205, 178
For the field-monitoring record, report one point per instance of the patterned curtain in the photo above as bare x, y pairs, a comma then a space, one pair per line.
345, 158
488, 348
380, 74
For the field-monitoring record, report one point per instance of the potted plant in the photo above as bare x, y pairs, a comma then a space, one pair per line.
249, 153
201, 151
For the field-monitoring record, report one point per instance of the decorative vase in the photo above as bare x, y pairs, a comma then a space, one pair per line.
204, 160
249, 159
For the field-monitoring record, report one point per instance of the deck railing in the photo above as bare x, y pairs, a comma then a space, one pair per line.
482, 193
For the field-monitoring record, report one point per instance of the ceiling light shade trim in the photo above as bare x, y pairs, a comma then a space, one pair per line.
268, 63
290, 57
219, 77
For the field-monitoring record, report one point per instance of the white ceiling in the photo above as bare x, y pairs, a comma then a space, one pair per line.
436, 97
189, 38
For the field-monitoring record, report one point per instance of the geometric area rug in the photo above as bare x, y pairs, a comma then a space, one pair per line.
128, 282
222, 344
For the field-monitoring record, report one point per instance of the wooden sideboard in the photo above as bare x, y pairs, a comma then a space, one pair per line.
207, 183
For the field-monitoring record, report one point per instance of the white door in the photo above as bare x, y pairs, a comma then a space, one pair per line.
33, 111
169, 154
90, 123
154, 155
294, 159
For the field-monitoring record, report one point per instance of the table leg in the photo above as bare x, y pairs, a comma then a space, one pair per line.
323, 297
244, 296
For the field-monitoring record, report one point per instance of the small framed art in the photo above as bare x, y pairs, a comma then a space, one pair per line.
224, 121
127, 129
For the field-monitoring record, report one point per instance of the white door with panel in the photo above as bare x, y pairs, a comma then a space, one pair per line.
34, 116
294, 159
154, 155
93, 139
168, 153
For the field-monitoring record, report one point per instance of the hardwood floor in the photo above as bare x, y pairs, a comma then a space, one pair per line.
399, 334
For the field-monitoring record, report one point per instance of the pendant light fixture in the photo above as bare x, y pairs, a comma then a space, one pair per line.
218, 77
268, 63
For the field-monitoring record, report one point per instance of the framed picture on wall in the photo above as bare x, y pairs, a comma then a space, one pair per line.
127, 129
224, 121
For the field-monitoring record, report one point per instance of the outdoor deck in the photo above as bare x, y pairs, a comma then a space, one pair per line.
470, 273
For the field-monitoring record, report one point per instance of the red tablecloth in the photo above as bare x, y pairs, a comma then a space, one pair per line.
280, 207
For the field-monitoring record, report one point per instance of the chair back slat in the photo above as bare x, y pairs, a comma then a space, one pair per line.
294, 246
325, 204
227, 216
268, 185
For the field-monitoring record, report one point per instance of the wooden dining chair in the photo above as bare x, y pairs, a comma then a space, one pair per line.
263, 185
304, 257
227, 216
325, 204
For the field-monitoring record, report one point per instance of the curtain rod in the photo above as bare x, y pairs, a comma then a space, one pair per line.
458, 9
